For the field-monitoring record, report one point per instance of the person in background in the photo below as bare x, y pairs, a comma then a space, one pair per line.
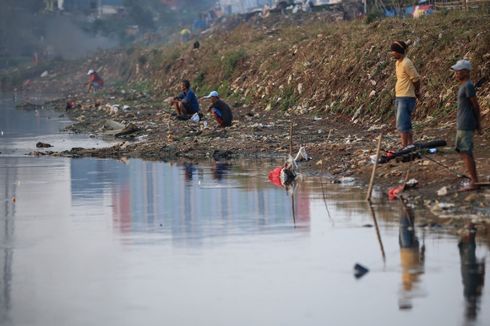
95, 82
407, 90
185, 35
185, 103
221, 110
468, 120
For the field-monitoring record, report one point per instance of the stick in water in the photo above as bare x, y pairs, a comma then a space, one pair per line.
370, 188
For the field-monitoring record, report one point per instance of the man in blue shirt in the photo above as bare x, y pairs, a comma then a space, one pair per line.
468, 119
185, 103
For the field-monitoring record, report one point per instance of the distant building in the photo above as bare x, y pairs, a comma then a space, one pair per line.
102, 7
243, 6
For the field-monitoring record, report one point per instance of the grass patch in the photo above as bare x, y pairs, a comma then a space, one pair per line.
232, 60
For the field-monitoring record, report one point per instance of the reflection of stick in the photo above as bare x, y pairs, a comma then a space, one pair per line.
324, 195
378, 234
291, 138
292, 207
370, 188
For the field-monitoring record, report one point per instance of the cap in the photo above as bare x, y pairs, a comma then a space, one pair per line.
461, 65
212, 94
91, 71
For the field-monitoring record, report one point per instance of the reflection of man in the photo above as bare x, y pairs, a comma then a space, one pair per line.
411, 256
220, 169
188, 171
472, 272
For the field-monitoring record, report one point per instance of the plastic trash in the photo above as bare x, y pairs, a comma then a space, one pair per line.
195, 117
442, 192
432, 150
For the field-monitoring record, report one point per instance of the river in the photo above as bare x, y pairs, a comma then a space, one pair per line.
106, 242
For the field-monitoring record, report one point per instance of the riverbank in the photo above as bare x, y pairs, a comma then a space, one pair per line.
274, 76
339, 148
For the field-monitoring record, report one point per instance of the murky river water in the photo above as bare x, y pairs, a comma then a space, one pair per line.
103, 242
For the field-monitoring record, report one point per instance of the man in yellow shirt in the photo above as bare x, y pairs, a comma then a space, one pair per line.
407, 89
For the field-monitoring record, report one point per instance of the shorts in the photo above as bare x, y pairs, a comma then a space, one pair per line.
464, 141
405, 107
96, 86
218, 117
188, 108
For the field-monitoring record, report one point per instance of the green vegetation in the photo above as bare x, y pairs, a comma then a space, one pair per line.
232, 60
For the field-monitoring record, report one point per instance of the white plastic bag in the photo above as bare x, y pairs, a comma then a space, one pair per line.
195, 117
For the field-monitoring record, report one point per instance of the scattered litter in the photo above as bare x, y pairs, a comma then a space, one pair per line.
317, 118
438, 206
347, 180
395, 191
44, 74
412, 183
302, 155
14, 199
195, 117
442, 192
360, 271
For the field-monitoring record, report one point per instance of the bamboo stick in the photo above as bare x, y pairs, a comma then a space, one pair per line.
370, 188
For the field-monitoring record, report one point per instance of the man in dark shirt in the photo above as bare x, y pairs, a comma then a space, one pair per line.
468, 119
220, 110
185, 103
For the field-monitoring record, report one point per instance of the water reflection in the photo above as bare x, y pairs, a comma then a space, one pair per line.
472, 272
7, 228
412, 256
157, 197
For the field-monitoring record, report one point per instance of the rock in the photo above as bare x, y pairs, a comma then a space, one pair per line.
360, 271
43, 145
130, 129
222, 155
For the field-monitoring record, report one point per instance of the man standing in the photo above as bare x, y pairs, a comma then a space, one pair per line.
220, 110
185, 103
468, 119
407, 89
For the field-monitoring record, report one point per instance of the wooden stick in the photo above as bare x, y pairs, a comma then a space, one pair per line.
291, 138
370, 188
